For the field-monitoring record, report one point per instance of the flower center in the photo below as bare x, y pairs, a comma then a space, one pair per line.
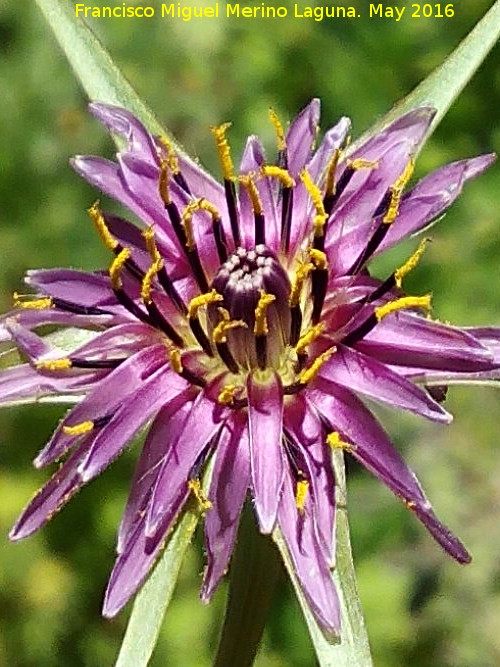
256, 291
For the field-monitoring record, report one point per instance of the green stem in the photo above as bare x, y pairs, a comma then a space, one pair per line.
255, 570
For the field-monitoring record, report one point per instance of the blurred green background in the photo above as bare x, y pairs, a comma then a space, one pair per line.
421, 608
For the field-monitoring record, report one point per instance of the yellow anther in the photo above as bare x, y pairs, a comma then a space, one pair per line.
310, 373
280, 134
205, 205
149, 238
331, 171
226, 396
396, 193
116, 268
335, 442
224, 151
173, 162
79, 429
410, 504
361, 163
309, 337
204, 299
301, 276
32, 304
318, 258
175, 359
410, 263
148, 280
265, 300
100, 224
53, 364
317, 199
194, 486
301, 494
219, 333
403, 303
163, 188
187, 222
282, 175
248, 182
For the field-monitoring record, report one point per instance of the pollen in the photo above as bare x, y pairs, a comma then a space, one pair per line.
194, 486
100, 224
163, 187
314, 192
219, 333
203, 300
116, 268
410, 263
301, 276
310, 373
79, 429
175, 359
32, 304
227, 394
301, 493
362, 163
147, 281
173, 162
403, 303
248, 182
396, 193
53, 364
309, 337
278, 127
187, 223
149, 238
318, 258
335, 442
224, 151
331, 171
260, 327
282, 175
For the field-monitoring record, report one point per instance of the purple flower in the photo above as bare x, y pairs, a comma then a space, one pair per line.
243, 326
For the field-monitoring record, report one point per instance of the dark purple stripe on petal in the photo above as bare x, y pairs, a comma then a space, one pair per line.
265, 418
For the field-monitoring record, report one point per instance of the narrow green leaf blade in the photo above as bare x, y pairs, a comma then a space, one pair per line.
153, 599
442, 87
92, 64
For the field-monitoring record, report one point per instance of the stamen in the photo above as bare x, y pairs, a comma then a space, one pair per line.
32, 304
204, 503
100, 224
228, 174
301, 276
265, 300
310, 373
96, 364
248, 182
361, 163
396, 192
163, 187
116, 268
319, 282
220, 339
175, 358
190, 244
154, 312
172, 161
335, 442
330, 177
282, 175
403, 303
301, 494
309, 337
79, 429
318, 258
347, 174
227, 394
194, 305
53, 364
163, 276
148, 280
410, 263
321, 217
280, 134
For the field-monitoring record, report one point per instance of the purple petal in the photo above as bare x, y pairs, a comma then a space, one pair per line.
161, 437
371, 446
265, 419
301, 136
309, 564
411, 340
137, 558
230, 482
333, 140
359, 373
205, 419
304, 427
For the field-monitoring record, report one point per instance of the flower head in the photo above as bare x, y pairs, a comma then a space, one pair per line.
241, 322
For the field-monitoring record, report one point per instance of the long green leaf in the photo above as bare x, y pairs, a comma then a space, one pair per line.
442, 87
